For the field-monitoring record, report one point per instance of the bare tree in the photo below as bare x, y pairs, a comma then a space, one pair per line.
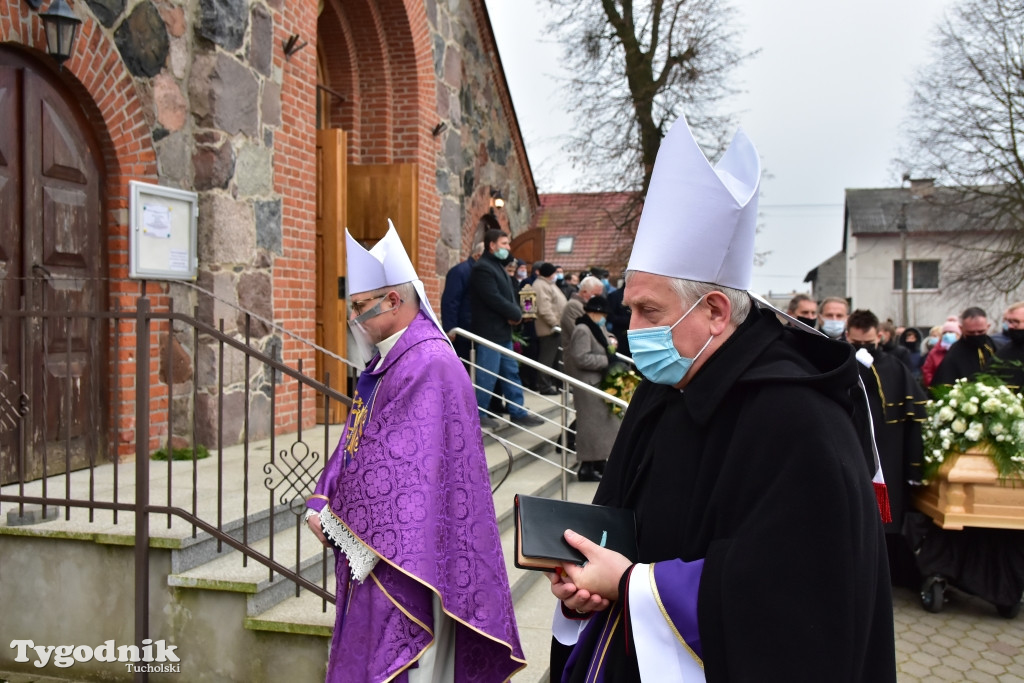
637, 67
966, 130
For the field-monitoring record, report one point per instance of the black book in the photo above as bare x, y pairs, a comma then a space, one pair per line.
541, 524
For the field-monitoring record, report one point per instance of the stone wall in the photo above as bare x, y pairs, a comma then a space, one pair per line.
478, 149
225, 110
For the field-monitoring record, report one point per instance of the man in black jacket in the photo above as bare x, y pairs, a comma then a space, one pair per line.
761, 556
495, 309
971, 354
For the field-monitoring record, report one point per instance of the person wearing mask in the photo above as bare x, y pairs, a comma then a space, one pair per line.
888, 341
522, 271
589, 353
495, 309
455, 309
971, 354
910, 339
590, 287
412, 435
934, 334
832, 314
897, 404
804, 309
949, 333
744, 533
1012, 353
550, 304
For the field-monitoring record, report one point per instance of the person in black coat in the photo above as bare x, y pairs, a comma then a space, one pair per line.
764, 526
494, 305
618, 320
455, 305
1010, 358
971, 354
897, 403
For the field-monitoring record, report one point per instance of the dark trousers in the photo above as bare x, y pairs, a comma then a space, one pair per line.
548, 355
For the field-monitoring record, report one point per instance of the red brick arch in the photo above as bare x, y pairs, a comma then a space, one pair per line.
378, 55
108, 95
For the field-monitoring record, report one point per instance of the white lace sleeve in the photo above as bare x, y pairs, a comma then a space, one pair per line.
361, 560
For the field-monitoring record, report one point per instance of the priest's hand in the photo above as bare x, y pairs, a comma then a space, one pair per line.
592, 586
314, 525
580, 600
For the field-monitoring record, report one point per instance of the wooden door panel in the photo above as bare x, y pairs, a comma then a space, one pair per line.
330, 266
63, 254
529, 246
379, 192
61, 151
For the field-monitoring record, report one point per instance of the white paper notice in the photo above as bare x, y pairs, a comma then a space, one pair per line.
156, 220
177, 260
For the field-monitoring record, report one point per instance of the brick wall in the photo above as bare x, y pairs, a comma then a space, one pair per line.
227, 116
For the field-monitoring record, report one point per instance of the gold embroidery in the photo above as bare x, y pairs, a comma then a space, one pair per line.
355, 430
606, 638
664, 613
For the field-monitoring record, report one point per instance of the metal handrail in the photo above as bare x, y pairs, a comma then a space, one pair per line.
523, 360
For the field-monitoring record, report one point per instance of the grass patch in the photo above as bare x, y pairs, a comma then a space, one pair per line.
184, 453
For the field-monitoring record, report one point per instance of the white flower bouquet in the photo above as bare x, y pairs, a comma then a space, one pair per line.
982, 414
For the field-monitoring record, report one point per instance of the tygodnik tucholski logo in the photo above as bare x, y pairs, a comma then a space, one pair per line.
152, 657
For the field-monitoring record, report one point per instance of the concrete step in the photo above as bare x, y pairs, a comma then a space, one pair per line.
534, 604
231, 572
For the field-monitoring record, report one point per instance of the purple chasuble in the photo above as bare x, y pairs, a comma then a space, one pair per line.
409, 479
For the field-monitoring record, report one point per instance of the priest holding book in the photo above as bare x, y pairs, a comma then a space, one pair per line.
761, 555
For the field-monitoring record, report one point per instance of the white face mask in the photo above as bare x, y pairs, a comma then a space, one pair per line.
834, 328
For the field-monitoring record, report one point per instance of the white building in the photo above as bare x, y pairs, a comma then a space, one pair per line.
879, 225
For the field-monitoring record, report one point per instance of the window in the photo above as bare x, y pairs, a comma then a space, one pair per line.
923, 274
564, 245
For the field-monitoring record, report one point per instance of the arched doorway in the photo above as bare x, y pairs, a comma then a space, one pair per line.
53, 258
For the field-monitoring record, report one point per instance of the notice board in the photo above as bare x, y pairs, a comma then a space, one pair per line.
162, 232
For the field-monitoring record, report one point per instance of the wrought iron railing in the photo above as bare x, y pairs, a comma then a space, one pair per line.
193, 385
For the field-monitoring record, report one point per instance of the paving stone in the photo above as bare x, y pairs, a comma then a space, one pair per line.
997, 657
925, 659
989, 666
954, 662
980, 677
912, 671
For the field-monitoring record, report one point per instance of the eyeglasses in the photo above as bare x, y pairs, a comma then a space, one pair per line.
357, 306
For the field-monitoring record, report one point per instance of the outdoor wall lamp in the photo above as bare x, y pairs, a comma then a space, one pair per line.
497, 201
61, 27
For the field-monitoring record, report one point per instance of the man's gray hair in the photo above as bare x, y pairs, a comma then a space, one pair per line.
690, 291
591, 283
406, 292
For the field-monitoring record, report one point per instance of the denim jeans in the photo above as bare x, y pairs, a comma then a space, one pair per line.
491, 361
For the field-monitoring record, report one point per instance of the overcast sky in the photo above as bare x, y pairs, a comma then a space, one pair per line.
823, 102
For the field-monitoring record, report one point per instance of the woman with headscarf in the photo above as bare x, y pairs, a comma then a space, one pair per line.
911, 341
591, 350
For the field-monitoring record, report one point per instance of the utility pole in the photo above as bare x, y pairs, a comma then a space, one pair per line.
901, 225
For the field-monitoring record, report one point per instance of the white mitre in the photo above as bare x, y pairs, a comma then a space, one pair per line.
699, 220
385, 265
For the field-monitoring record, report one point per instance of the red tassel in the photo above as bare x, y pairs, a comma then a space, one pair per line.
882, 496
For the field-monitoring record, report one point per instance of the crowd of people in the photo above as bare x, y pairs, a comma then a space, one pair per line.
574, 328
898, 366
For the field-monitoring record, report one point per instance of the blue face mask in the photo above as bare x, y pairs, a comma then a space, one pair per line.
948, 338
559, 276
655, 355
501, 254
833, 328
